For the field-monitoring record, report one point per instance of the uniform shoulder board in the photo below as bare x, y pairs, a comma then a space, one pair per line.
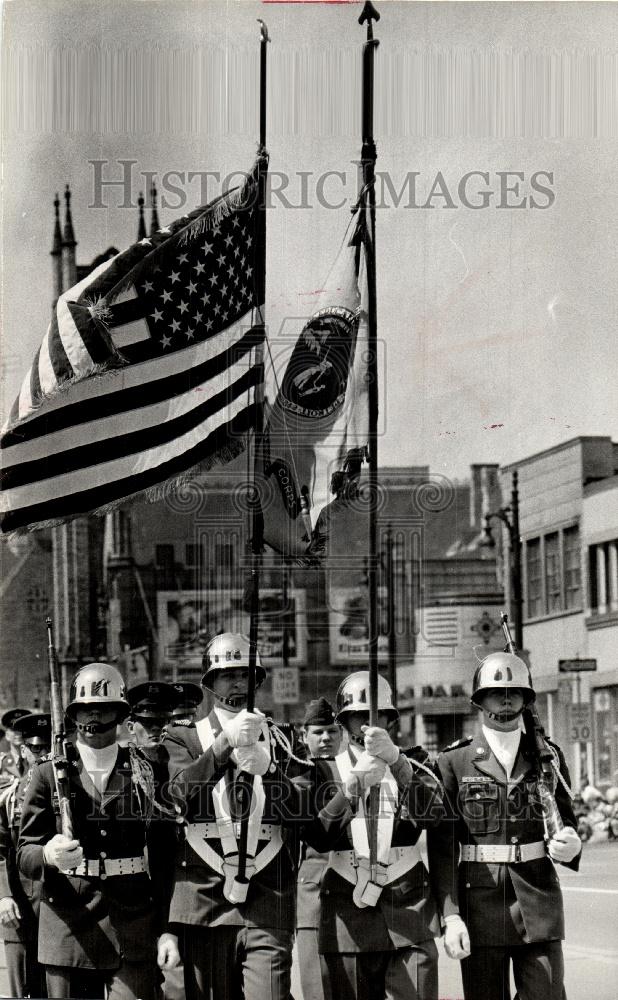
465, 742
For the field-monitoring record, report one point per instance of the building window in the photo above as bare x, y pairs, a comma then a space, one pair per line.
193, 556
553, 600
164, 557
603, 577
534, 578
606, 723
552, 567
572, 567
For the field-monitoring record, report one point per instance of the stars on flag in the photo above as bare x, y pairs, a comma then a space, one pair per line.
203, 284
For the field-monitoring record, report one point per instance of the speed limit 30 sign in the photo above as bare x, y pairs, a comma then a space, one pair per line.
581, 723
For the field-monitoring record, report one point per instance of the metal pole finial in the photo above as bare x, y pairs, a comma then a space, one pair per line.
369, 14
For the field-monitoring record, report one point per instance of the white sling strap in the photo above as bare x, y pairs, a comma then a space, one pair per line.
392, 863
228, 830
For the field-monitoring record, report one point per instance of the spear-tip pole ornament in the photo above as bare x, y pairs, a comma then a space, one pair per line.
264, 40
369, 14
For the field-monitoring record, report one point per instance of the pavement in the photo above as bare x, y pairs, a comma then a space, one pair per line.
591, 946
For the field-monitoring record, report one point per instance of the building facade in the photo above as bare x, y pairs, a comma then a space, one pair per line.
568, 512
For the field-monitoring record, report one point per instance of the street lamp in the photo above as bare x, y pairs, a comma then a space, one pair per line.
510, 518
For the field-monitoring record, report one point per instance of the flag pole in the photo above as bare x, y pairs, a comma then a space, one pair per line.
241, 882
368, 161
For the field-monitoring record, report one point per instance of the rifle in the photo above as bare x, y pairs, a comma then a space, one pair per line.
59, 740
543, 753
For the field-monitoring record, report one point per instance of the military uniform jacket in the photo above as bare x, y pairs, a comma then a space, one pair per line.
10, 768
406, 912
198, 890
88, 922
25, 891
501, 904
313, 863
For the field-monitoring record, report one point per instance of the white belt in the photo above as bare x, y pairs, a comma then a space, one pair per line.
400, 861
104, 867
503, 854
211, 830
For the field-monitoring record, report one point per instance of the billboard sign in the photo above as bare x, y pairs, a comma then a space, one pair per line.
188, 619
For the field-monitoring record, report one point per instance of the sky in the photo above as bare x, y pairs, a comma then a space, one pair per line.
497, 323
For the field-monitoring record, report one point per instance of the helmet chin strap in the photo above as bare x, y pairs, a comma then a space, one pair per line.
95, 728
504, 716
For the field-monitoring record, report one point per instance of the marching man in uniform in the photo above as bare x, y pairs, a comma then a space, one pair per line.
377, 936
503, 904
235, 934
20, 896
321, 734
189, 698
151, 705
11, 762
104, 892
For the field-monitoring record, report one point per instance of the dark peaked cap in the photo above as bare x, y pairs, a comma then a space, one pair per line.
189, 695
9, 718
319, 712
152, 698
35, 727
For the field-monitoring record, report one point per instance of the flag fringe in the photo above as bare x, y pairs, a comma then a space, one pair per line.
153, 494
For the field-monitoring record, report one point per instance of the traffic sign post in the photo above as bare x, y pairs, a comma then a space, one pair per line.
581, 723
286, 685
576, 665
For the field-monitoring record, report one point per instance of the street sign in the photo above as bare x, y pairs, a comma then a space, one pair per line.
286, 685
569, 666
581, 723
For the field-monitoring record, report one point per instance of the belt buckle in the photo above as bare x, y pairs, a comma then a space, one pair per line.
517, 853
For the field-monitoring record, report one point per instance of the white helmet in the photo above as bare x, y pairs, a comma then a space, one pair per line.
229, 651
353, 696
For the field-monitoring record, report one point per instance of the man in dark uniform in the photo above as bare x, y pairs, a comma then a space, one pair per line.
20, 896
377, 933
12, 764
321, 734
503, 903
152, 703
105, 891
235, 934
190, 697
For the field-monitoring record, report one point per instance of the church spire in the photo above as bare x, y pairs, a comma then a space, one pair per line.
69, 266
56, 252
154, 216
68, 236
141, 226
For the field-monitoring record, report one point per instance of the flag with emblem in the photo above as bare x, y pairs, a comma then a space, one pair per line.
150, 367
316, 430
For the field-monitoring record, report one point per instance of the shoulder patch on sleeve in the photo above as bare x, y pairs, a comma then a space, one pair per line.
465, 742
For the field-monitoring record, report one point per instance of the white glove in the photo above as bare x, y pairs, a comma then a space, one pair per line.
9, 912
456, 937
244, 729
366, 772
168, 955
63, 853
254, 759
379, 744
565, 846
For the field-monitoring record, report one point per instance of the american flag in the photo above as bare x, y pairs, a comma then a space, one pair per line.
150, 366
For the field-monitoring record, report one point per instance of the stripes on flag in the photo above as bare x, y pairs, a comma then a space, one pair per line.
150, 366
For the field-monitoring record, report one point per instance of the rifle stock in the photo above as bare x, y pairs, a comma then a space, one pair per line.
544, 756
59, 740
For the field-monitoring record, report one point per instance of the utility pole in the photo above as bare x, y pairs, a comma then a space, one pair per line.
510, 518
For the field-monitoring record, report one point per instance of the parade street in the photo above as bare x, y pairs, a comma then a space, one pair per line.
590, 952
